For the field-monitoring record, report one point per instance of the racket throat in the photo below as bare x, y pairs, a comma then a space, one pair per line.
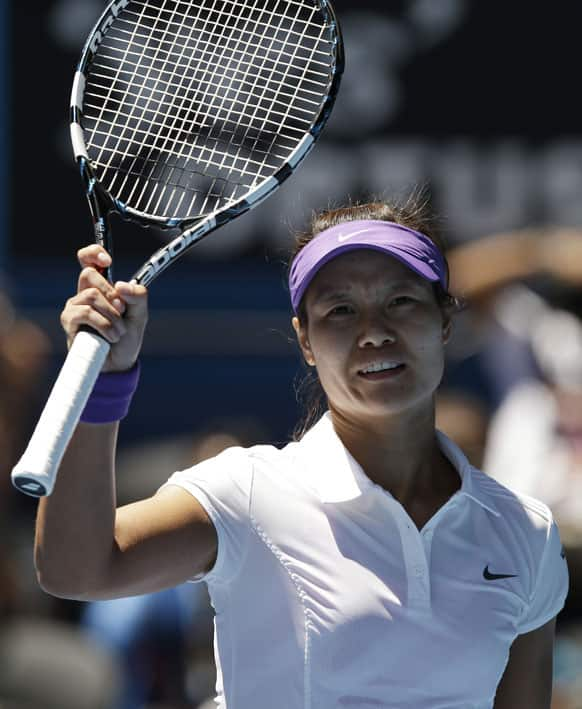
100, 205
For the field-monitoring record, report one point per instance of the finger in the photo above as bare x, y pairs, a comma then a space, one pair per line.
93, 255
134, 295
76, 315
89, 279
94, 298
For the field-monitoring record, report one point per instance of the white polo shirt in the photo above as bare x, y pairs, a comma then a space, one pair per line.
327, 595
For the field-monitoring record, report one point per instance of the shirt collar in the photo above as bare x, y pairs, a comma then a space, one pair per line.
337, 477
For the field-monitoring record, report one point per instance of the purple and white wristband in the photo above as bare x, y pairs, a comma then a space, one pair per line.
111, 396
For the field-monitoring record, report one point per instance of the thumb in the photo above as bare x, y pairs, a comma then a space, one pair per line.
135, 296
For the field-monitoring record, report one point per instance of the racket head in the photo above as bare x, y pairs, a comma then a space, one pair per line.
187, 113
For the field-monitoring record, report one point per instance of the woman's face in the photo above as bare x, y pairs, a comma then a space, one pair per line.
375, 333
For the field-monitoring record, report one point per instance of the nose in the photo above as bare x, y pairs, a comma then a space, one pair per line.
376, 332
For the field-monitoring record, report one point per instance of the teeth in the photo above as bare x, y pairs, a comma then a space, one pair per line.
380, 367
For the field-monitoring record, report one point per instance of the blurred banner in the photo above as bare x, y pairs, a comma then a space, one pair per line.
473, 99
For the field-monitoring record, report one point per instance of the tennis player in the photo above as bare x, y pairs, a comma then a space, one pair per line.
366, 564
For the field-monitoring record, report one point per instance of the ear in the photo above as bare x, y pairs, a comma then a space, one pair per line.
303, 340
447, 330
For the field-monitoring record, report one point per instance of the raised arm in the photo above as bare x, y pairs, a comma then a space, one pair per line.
481, 267
85, 548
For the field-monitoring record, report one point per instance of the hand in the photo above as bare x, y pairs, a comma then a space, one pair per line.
117, 312
560, 254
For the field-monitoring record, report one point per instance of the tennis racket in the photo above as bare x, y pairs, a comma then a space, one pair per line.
184, 115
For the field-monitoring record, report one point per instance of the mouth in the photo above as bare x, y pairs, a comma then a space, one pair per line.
381, 370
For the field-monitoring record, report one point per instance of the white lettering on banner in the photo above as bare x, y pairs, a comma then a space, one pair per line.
482, 189
560, 176
379, 46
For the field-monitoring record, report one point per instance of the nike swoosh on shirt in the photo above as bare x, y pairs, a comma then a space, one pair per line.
345, 237
492, 577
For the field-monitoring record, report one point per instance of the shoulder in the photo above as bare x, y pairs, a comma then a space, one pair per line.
507, 506
285, 467
513, 506
238, 466
525, 527
525, 530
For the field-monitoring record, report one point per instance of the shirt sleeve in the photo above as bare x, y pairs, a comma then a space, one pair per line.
222, 485
551, 586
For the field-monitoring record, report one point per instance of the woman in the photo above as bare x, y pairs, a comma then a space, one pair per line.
365, 565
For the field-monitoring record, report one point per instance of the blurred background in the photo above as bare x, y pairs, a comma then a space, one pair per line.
477, 103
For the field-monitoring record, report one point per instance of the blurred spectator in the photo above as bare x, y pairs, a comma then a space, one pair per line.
44, 663
24, 350
501, 277
463, 418
535, 440
568, 670
24, 354
148, 637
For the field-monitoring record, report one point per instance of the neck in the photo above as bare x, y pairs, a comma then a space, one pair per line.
401, 454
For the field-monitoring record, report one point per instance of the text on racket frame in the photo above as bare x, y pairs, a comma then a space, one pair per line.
168, 253
114, 10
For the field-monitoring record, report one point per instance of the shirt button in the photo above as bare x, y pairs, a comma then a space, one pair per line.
419, 570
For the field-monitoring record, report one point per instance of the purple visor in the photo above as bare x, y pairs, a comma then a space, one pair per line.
410, 247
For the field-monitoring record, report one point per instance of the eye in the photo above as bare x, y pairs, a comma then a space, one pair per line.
402, 300
339, 310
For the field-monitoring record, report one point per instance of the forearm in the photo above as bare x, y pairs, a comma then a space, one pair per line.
75, 529
480, 267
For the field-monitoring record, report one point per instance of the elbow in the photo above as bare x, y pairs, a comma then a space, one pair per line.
60, 587
61, 583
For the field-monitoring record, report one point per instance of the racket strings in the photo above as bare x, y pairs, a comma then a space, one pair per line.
284, 95
245, 28
149, 106
221, 14
180, 118
219, 183
259, 101
215, 150
256, 32
286, 117
109, 103
146, 188
245, 135
310, 96
184, 145
249, 72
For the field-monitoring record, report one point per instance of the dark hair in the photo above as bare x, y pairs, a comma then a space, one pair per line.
413, 212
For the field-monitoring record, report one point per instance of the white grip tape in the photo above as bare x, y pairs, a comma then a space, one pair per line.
36, 471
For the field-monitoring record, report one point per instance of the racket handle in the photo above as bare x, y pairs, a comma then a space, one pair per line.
36, 471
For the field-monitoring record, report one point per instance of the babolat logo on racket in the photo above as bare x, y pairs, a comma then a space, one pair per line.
114, 11
165, 256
